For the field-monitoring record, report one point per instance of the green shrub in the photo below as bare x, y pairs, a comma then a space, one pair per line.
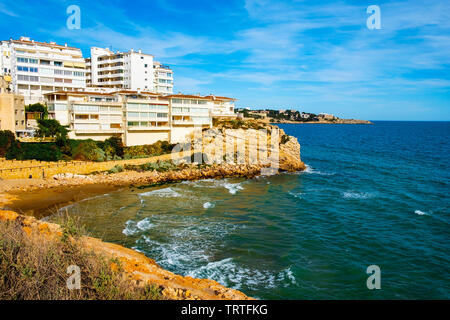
116, 169
35, 268
148, 150
88, 150
284, 138
7, 138
33, 150
160, 166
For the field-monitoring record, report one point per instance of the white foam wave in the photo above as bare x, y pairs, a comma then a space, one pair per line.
230, 274
421, 213
298, 195
311, 170
133, 227
233, 188
357, 195
164, 193
208, 205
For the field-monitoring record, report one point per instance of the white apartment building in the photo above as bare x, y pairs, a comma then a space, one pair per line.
138, 117
37, 68
131, 70
163, 78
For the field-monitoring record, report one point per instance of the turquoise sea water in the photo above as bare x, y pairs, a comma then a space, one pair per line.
372, 195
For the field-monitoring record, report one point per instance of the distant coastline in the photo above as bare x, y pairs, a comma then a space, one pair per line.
339, 121
294, 117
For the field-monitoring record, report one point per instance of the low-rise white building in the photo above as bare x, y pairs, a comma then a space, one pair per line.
138, 117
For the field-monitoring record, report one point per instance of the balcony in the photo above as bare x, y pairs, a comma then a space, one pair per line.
148, 128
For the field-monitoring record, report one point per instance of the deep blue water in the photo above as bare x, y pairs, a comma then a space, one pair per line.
372, 195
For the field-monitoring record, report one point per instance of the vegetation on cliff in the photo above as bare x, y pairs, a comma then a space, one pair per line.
66, 149
35, 267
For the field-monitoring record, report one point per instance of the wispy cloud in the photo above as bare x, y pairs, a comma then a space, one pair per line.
313, 53
6, 11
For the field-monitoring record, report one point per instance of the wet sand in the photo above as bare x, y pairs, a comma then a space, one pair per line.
44, 202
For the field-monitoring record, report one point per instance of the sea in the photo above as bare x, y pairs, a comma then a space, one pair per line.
373, 197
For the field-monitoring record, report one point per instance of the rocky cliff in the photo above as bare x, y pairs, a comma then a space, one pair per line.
136, 267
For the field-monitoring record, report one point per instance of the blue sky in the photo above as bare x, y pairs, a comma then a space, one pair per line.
314, 56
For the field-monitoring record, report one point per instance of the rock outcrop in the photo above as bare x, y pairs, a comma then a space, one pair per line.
139, 269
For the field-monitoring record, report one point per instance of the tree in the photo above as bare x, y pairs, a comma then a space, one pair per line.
37, 108
7, 139
52, 128
115, 146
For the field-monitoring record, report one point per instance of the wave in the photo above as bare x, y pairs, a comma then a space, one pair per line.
232, 275
298, 195
133, 227
76, 203
357, 195
232, 188
164, 193
311, 170
208, 205
421, 213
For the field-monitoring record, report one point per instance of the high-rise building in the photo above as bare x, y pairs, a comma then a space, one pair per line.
132, 70
37, 68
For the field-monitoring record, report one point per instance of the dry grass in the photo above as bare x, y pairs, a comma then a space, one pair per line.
33, 267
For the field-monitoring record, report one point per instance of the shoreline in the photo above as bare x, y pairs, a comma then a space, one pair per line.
42, 197
138, 267
36, 198
349, 121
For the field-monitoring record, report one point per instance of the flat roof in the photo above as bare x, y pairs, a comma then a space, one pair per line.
81, 93
44, 44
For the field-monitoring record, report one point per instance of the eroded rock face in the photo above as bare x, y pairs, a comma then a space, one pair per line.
139, 269
250, 146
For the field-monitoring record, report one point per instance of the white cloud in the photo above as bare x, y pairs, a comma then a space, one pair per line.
6, 11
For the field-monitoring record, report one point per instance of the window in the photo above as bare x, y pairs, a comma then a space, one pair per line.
45, 62
133, 114
176, 101
145, 65
58, 63
162, 115
22, 60
35, 61
21, 68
